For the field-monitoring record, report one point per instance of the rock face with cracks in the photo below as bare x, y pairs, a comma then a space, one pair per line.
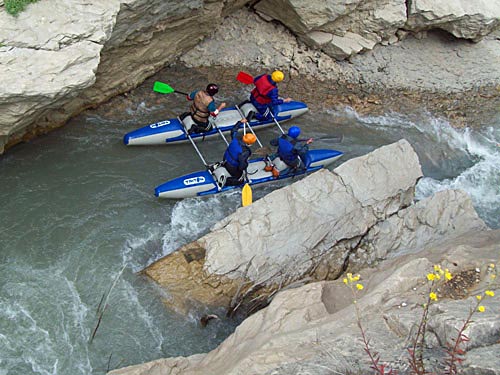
315, 229
360, 218
59, 58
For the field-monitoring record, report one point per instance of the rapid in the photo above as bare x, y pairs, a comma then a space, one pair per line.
79, 220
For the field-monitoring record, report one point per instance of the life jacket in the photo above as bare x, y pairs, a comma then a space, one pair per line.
199, 107
232, 152
285, 149
262, 86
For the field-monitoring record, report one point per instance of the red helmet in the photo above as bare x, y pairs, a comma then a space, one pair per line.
212, 89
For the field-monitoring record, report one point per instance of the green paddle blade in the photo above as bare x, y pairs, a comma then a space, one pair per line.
162, 88
246, 195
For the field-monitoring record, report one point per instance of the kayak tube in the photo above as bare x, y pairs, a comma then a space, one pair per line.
174, 130
213, 180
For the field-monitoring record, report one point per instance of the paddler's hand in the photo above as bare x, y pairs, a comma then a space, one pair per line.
309, 141
287, 100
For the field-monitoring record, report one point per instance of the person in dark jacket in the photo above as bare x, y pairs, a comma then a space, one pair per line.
265, 94
291, 150
203, 106
237, 154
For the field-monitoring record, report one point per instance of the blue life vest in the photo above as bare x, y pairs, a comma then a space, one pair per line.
233, 151
286, 149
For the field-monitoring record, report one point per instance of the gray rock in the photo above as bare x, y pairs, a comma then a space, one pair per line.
60, 58
461, 18
331, 209
313, 329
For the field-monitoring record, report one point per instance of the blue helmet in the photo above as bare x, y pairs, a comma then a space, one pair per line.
294, 131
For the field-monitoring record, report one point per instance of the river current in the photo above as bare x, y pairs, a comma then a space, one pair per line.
79, 219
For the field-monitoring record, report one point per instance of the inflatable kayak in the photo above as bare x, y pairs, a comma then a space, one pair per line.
213, 180
172, 131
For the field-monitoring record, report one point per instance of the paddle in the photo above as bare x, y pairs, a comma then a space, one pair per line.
245, 78
163, 88
330, 138
246, 195
199, 154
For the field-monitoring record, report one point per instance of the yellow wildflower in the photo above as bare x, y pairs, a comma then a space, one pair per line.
481, 308
447, 274
437, 268
492, 265
479, 298
433, 296
359, 286
431, 276
345, 281
438, 276
349, 276
490, 293
356, 278
493, 276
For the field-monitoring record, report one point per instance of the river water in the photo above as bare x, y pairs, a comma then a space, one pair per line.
79, 218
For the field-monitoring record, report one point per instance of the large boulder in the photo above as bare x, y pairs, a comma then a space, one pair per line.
339, 28
314, 329
360, 214
342, 29
461, 18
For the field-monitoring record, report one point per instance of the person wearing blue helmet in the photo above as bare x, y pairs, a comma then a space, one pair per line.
290, 149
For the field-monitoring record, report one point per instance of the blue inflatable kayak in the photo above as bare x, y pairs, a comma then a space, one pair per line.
212, 180
172, 131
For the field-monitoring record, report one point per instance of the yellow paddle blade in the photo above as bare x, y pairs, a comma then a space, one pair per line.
246, 195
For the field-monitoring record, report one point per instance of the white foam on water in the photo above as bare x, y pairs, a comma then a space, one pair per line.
440, 142
142, 109
193, 217
142, 313
29, 343
135, 249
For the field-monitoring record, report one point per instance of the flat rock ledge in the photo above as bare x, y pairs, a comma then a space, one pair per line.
360, 218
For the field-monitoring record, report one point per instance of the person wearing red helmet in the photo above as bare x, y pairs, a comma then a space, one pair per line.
291, 149
237, 154
203, 106
265, 95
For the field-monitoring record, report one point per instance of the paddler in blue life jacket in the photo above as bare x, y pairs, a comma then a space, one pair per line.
203, 106
292, 150
237, 154
265, 94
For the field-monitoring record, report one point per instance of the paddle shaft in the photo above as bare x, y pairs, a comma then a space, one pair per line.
248, 124
199, 153
220, 132
333, 138
181, 93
